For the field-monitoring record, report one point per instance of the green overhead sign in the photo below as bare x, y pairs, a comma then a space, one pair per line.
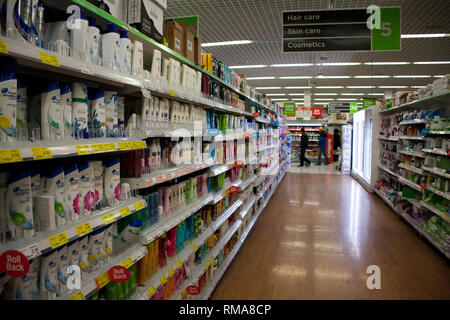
289, 109
353, 107
388, 36
368, 102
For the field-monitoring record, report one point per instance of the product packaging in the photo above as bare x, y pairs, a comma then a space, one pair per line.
54, 185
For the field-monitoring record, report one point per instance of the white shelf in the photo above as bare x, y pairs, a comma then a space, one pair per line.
388, 139
437, 171
215, 171
445, 195
410, 184
388, 171
222, 193
158, 229
435, 151
439, 132
411, 168
412, 153
247, 182
414, 121
89, 283
40, 243
247, 207
411, 137
414, 202
59, 149
385, 199
435, 211
162, 176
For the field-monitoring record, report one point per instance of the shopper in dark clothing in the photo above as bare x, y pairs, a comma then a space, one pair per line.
336, 144
303, 147
322, 147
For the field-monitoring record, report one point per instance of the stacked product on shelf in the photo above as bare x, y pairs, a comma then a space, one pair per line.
313, 142
414, 161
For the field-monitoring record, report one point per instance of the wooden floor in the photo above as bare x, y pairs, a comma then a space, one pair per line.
315, 240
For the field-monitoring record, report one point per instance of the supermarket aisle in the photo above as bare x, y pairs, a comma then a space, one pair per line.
315, 240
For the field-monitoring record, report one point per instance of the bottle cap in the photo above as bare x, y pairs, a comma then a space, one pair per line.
112, 27
92, 22
123, 34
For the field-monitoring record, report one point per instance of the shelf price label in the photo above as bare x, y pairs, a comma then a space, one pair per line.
10, 155
139, 205
163, 280
42, 153
128, 262
172, 93
151, 291
102, 280
108, 218
125, 211
77, 296
179, 264
83, 150
123, 145
83, 229
3, 47
208, 263
171, 272
195, 248
98, 147
139, 145
58, 240
159, 179
109, 147
49, 59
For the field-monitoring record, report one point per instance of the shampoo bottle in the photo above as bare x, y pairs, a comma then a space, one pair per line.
55, 186
21, 114
66, 106
137, 64
79, 39
110, 48
111, 117
125, 52
93, 40
97, 114
51, 113
84, 255
63, 263
85, 174
49, 276
80, 110
112, 180
97, 191
8, 99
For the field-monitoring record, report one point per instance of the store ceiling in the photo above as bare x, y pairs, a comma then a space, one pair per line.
260, 21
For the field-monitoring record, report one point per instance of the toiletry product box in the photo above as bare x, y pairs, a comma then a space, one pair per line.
188, 40
147, 17
198, 50
173, 32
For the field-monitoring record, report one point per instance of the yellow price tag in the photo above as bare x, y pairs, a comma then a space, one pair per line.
139, 205
49, 59
210, 260
128, 262
98, 147
108, 218
172, 93
171, 272
179, 264
102, 280
109, 147
58, 240
163, 280
151, 291
77, 296
42, 153
140, 144
124, 146
3, 47
195, 248
125, 211
10, 155
83, 229
83, 150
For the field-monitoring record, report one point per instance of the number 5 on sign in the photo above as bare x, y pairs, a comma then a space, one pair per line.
387, 37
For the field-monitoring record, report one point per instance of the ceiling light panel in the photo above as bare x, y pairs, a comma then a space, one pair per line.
360, 87
275, 94
325, 94
267, 88
408, 76
339, 64
352, 94
372, 77
425, 35
333, 77
296, 94
291, 65
252, 66
226, 43
329, 87
432, 62
260, 78
296, 77
385, 63
298, 87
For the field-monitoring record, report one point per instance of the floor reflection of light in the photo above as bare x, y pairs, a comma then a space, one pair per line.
293, 271
323, 229
331, 246
328, 213
354, 218
294, 202
332, 274
299, 228
311, 203
296, 244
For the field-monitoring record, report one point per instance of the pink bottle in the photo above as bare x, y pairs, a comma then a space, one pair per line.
171, 242
166, 200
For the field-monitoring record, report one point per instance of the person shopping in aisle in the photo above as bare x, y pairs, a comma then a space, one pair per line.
336, 144
303, 147
322, 147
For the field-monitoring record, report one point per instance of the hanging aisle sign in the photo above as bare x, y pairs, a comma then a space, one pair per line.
335, 107
341, 30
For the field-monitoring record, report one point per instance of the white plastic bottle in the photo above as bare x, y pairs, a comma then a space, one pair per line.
8, 99
66, 106
110, 48
19, 205
97, 191
145, 112
35, 190
3, 211
93, 41
137, 65
97, 113
110, 112
112, 180
80, 110
21, 114
72, 191
54, 185
158, 148
95, 251
84, 255
51, 113
121, 110
79, 39
84, 175
49, 276
26, 287
125, 52
63, 263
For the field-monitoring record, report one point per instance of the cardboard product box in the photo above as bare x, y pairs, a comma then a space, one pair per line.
198, 50
188, 37
174, 34
147, 17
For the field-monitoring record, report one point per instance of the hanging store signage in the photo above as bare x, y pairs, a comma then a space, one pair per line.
289, 109
14, 263
353, 107
119, 274
334, 107
368, 102
316, 112
341, 30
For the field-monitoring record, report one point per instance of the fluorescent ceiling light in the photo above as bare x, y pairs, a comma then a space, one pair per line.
325, 94
432, 62
375, 94
333, 77
296, 94
267, 88
339, 64
370, 77
407, 76
291, 65
298, 87
296, 77
248, 66
275, 94
439, 76
323, 99
352, 94
280, 99
417, 87
385, 63
347, 99
391, 87
297, 99
425, 35
360, 87
226, 43
329, 87
260, 78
